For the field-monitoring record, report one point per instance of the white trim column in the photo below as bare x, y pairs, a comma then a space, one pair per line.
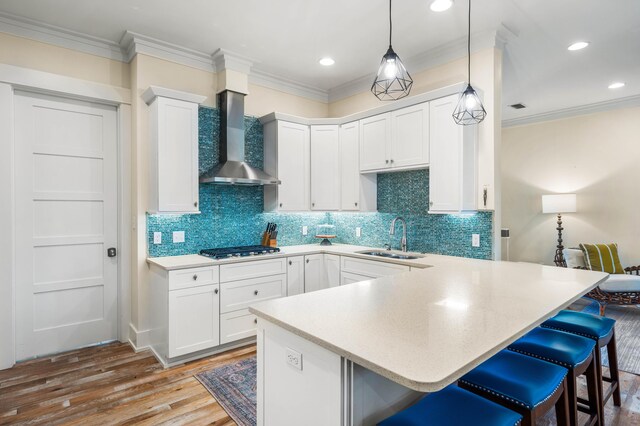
7, 284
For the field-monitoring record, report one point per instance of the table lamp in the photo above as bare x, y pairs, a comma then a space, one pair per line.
559, 204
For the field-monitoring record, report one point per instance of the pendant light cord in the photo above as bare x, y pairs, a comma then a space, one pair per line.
390, 24
468, 44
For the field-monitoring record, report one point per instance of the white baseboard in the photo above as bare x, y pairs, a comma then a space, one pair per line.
139, 340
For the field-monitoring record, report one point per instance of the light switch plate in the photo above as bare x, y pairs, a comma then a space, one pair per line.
305, 230
157, 238
475, 240
294, 358
178, 236
358, 232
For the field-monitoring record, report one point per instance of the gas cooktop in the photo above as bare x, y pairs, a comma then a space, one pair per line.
242, 251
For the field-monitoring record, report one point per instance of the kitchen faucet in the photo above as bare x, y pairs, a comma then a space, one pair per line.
392, 231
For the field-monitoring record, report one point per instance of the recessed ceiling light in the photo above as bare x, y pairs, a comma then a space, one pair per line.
441, 5
578, 45
616, 85
327, 61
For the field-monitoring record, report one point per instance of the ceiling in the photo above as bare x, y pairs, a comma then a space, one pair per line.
287, 37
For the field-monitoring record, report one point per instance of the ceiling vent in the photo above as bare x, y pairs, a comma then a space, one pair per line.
517, 106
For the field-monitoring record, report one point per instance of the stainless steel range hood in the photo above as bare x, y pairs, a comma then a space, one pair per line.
233, 170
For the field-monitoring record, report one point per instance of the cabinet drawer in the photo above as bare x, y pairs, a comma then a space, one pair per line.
240, 294
237, 325
371, 268
350, 278
192, 277
258, 268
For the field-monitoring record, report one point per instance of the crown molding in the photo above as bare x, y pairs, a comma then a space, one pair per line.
627, 102
224, 59
57, 36
134, 43
266, 79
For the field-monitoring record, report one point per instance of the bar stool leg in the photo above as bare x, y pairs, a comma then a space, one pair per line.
572, 397
562, 406
613, 369
595, 398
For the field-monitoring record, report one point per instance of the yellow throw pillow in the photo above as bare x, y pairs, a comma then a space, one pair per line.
602, 257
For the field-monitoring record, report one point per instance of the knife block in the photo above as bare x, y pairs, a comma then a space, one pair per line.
265, 239
273, 242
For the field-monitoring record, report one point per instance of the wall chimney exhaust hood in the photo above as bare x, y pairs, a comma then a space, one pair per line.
233, 170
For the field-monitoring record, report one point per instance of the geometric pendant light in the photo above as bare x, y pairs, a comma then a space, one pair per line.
392, 80
469, 109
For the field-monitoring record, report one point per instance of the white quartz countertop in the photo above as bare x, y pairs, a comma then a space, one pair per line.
195, 260
426, 328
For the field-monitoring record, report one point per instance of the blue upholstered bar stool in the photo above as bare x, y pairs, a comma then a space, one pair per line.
602, 330
526, 385
453, 406
576, 353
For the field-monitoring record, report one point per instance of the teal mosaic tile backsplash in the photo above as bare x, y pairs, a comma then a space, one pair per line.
232, 215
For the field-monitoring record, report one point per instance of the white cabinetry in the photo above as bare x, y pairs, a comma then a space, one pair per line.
173, 150
325, 167
314, 273
194, 318
453, 159
287, 156
332, 268
295, 275
354, 269
398, 140
242, 284
185, 311
357, 191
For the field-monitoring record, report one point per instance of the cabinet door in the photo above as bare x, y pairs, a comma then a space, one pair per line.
293, 167
194, 319
295, 275
332, 268
445, 170
314, 273
375, 134
325, 168
175, 129
349, 167
410, 136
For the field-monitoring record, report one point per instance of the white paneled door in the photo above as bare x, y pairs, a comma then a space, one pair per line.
66, 219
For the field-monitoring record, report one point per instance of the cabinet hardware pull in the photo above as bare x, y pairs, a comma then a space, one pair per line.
431, 203
255, 320
255, 292
195, 204
195, 277
356, 204
307, 260
216, 291
386, 161
290, 262
392, 161
280, 204
313, 204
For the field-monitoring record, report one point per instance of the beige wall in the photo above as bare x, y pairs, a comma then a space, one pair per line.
595, 156
23, 52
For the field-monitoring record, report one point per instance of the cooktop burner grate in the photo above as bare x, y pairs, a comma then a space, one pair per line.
224, 252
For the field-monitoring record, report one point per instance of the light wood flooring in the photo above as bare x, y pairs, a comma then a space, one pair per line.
111, 384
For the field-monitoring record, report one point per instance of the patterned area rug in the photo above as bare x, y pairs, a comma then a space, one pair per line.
234, 387
627, 335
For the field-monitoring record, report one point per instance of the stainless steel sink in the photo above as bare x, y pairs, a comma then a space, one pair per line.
389, 254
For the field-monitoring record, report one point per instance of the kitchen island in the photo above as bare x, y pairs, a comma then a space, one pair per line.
357, 353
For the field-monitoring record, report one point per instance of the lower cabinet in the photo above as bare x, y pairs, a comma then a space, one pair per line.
314, 275
194, 319
332, 268
350, 278
295, 275
237, 325
355, 269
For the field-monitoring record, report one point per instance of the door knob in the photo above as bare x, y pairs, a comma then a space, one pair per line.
255, 292
111, 252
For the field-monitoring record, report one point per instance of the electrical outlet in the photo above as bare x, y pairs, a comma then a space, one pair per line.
305, 230
475, 240
178, 236
358, 232
157, 238
294, 358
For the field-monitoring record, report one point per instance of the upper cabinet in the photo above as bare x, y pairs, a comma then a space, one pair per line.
173, 150
325, 167
453, 160
287, 156
394, 141
358, 192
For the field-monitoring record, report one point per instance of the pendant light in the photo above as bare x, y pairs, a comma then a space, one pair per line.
392, 81
469, 109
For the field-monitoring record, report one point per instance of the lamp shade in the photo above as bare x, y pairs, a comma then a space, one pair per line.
559, 203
